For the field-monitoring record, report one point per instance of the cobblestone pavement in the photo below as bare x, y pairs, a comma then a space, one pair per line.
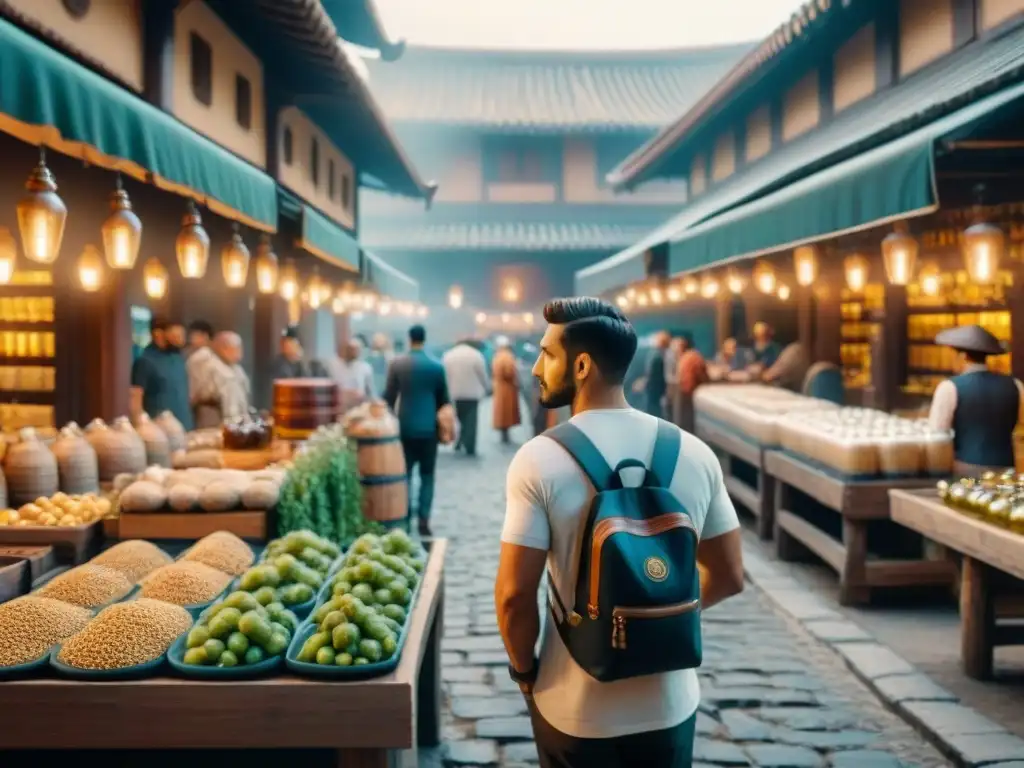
772, 695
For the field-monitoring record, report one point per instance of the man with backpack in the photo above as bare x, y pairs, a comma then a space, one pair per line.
627, 520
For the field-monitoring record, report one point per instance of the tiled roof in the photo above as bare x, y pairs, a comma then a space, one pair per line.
358, 22
547, 91
521, 236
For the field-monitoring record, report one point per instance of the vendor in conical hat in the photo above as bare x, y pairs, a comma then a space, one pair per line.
981, 407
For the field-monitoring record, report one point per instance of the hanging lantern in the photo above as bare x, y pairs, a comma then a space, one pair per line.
122, 231
783, 292
764, 277
856, 269
192, 245
511, 291
805, 264
315, 290
983, 245
338, 305
528, 318
691, 286
735, 281
234, 260
622, 301
384, 308
8, 255
675, 294
930, 279
41, 215
656, 296
899, 254
154, 278
266, 266
455, 297
369, 300
90, 269
481, 318
709, 287
631, 293
288, 281
642, 300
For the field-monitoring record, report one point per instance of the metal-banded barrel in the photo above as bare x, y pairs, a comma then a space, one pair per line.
382, 473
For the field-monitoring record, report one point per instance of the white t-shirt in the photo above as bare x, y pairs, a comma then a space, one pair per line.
547, 495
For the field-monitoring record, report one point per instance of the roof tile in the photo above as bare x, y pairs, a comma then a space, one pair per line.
521, 236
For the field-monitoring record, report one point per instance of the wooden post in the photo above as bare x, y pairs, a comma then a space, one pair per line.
723, 317
270, 319
827, 320
889, 352
977, 617
805, 308
1015, 304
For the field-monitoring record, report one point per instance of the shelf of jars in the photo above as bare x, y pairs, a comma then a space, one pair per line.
27, 350
939, 302
858, 310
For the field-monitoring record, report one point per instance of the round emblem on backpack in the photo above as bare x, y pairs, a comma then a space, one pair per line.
656, 569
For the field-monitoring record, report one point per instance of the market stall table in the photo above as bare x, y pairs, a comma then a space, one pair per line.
366, 723
758, 498
858, 503
985, 549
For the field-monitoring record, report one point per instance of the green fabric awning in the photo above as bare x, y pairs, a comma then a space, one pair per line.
389, 281
47, 98
894, 181
328, 240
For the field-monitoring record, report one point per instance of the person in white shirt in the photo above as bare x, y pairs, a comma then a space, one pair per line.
466, 370
352, 374
579, 722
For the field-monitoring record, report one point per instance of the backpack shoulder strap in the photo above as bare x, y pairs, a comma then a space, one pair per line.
584, 453
667, 445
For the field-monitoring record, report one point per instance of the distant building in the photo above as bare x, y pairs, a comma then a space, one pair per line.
520, 143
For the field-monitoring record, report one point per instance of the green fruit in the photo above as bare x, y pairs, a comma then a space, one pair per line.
378, 609
395, 613
280, 629
376, 555
388, 646
228, 659
313, 644
195, 656
377, 630
366, 570
360, 661
345, 635
295, 594
333, 619
341, 588
383, 596
334, 604
393, 625
370, 649
243, 601
197, 636
226, 617
346, 574
325, 655
265, 595
238, 643
277, 644
285, 564
214, 648
260, 576
343, 660
254, 655
364, 592
256, 628
288, 620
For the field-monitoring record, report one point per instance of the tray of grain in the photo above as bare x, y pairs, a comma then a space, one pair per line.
87, 586
223, 551
136, 559
30, 627
192, 585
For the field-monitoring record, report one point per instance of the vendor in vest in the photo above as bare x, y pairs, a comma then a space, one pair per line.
981, 407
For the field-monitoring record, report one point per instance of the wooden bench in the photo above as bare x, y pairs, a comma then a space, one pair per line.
366, 723
987, 551
858, 503
759, 499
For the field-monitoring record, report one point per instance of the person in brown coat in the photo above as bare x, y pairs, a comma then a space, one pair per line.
505, 375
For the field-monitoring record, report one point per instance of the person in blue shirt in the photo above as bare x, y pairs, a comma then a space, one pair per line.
159, 381
417, 384
766, 348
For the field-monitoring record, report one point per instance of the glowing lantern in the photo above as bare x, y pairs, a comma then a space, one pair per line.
764, 277
930, 279
41, 216
455, 297
8, 255
709, 287
90, 269
481, 318
735, 281
691, 286
234, 260
983, 245
122, 231
783, 292
899, 254
154, 278
192, 246
266, 266
805, 264
856, 269
288, 281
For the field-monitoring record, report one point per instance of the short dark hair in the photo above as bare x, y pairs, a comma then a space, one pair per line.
687, 338
597, 328
159, 323
201, 326
417, 334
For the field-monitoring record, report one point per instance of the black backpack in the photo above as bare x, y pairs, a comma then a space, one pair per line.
636, 607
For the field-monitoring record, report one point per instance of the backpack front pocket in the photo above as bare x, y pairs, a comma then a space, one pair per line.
621, 615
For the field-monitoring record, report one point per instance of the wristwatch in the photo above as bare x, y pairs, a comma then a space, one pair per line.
524, 678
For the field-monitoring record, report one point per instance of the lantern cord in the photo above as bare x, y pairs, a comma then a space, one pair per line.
42, 154
118, 184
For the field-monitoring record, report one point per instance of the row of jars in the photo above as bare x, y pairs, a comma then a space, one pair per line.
995, 499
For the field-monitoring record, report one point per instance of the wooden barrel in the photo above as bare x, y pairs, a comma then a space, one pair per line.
303, 405
382, 470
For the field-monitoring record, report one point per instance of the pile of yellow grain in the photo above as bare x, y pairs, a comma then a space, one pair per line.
126, 635
88, 586
223, 551
184, 583
134, 559
30, 626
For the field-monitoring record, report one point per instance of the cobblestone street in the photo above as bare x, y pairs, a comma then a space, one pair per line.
772, 695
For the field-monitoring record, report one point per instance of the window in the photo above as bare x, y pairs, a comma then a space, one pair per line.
314, 162
77, 9
346, 190
523, 166
201, 57
243, 101
286, 145
331, 189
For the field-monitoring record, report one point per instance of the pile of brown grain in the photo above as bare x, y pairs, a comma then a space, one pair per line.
30, 626
126, 635
88, 586
134, 559
184, 583
223, 551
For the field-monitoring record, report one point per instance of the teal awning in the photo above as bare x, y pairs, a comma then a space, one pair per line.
894, 181
389, 281
328, 240
46, 98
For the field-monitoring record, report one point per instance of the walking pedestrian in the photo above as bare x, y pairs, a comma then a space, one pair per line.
691, 372
466, 370
653, 384
505, 373
615, 684
416, 384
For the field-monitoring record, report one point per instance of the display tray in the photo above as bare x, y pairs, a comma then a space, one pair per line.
15, 577
176, 659
859, 478
137, 672
301, 610
47, 578
40, 559
195, 609
330, 672
75, 542
28, 669
246, 524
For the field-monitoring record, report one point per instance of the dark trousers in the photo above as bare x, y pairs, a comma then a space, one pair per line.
421, 452
466, 411
669, 748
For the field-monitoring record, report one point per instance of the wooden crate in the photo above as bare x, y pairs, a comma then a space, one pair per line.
246, 524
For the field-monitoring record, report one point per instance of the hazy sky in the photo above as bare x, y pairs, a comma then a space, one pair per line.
570, 24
